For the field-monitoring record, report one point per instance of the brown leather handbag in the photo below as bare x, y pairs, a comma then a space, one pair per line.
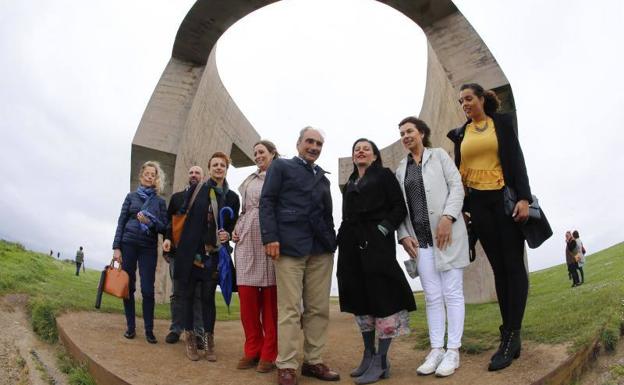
117, 281
177, 220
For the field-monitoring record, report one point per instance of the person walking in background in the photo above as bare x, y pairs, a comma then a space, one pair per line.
297, 230
58, 255
195, 176
255, 273
197, 254
435, 234
143, 216
79, 260
572, 252
582, 253
371, 284
490, 159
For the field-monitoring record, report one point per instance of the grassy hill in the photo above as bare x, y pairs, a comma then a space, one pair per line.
54, 288
555, 312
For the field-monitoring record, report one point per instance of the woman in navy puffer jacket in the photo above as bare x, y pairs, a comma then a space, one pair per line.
143, 216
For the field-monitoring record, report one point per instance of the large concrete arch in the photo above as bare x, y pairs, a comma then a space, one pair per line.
190, 114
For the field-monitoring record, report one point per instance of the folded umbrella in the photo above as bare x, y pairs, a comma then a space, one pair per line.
226, 270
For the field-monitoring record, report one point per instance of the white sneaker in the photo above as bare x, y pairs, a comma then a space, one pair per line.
432, 361
449, 363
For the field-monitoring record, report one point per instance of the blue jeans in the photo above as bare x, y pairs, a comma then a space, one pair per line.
146, 260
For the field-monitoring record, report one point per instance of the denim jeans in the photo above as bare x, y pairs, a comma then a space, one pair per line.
145, 258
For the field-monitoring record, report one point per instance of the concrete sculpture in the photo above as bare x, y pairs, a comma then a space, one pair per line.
190, 114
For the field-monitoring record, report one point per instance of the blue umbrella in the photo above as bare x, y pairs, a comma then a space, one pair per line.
225, 268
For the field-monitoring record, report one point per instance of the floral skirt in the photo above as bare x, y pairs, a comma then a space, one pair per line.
392, 326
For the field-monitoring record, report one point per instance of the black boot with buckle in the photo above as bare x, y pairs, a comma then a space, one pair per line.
508, 351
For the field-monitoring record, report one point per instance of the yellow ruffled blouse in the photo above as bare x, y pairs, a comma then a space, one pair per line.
480, 166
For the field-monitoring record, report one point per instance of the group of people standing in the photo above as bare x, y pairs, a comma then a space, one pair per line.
575, 257
285, 244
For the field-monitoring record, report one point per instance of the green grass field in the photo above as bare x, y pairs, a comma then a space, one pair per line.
53, 288
555, 312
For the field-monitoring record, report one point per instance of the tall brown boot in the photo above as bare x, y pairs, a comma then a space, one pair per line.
209, 347
191, 347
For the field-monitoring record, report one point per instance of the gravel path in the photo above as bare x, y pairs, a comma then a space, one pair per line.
24, 359
100, 336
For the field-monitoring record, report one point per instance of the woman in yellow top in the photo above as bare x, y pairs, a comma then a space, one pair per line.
489, 157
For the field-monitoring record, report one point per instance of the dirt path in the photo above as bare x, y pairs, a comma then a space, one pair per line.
607, 369
100, 337
24, 359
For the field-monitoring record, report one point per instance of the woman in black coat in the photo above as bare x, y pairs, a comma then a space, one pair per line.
371, 283
490, 160
197, 253
143, 216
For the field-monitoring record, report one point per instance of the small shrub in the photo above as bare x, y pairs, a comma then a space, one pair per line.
43, 320
64, 362
79, 375
609, 339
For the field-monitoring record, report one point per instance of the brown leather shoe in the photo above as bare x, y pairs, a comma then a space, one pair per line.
246, 363
320, 371
264, 366
286, 377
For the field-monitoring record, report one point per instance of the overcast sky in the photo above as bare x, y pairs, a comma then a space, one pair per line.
76, 77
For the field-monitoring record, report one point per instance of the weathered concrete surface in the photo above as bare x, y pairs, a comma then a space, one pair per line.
96, 338
191, 115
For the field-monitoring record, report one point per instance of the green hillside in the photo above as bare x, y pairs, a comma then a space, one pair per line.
555, 312
54, 288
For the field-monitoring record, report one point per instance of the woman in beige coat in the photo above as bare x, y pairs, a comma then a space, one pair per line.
435, 234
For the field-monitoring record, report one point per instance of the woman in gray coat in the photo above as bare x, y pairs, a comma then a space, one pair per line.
434, 233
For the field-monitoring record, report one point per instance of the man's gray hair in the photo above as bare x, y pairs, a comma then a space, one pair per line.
308, 128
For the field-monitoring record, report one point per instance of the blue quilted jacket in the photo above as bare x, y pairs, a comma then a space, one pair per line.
128, 228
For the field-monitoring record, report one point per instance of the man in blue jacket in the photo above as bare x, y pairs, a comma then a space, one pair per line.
297, 230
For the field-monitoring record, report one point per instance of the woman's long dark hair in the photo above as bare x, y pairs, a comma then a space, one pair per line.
376, 163
491, 101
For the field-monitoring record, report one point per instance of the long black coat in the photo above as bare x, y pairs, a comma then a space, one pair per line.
370, 280
199, 227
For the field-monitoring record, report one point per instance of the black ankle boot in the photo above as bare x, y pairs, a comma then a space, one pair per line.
509, 350
503, 335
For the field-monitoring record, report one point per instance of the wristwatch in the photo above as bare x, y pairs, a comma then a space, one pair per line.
450, 217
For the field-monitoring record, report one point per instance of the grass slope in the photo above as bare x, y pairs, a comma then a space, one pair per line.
53, 288
555, 312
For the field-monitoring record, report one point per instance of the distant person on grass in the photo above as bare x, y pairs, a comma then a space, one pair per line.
195, 177
79, 260
143, 216
572, 258
371, 284
581, 248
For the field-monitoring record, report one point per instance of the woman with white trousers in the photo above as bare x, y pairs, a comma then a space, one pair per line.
435, 234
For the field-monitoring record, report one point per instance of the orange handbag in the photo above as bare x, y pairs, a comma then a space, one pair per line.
117, 281
177, 225
177, 220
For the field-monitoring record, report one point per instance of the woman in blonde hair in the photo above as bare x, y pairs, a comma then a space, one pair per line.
490, 161
143, 215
